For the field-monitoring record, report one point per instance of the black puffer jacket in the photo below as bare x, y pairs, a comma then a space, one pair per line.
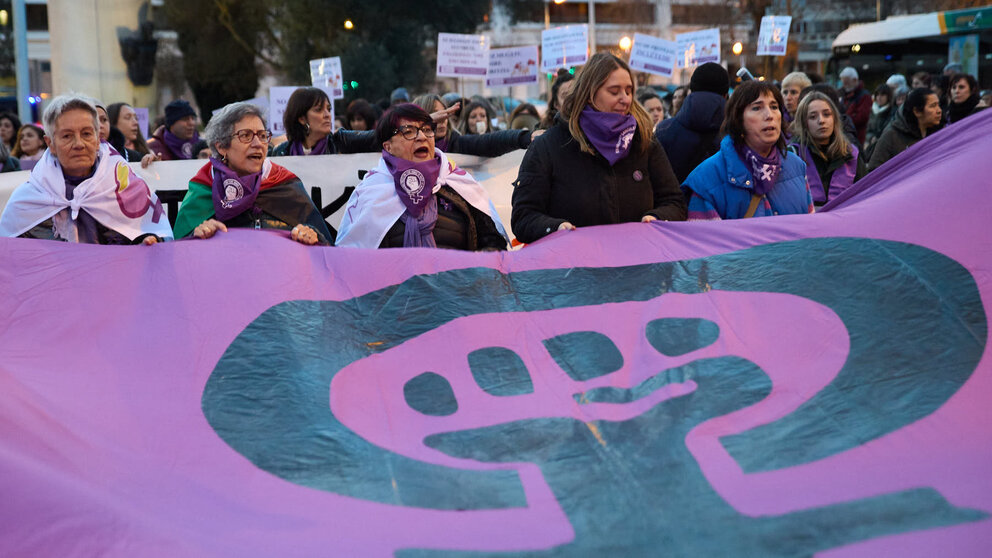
896, 138
694, 133
558, 182
459, 226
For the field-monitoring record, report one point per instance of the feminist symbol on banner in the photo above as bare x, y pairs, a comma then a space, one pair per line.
643, 391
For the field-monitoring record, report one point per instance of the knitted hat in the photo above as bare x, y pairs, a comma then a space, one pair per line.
710, 77
177, 110
399, 95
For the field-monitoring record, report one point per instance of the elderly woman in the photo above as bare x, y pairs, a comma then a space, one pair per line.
753, 174
792, 84
175, 140
964, 98
599, 164
833, 164
240, 187
30, 146
307, 121
450, 140
416, 197
81, 190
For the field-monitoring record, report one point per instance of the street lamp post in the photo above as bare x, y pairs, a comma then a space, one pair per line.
21, 61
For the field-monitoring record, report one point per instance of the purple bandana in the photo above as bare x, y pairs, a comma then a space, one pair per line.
233, 194
610, 133
764, 169
319, 148
414, 181
182, 149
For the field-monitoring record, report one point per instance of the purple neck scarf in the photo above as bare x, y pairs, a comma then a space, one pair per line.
764, 170
182, 149
610, 133
233, 194
441, 144
319, 148
414, 182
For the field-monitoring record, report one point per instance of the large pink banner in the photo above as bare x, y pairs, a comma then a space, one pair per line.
770, 387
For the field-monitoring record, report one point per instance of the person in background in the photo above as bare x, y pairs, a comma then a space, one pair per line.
450, 140
524, 117
416, 197
918, 116
123, 117
651, 102
921, 79
833, 164
241, 187
792, 84
81, 190
846, 123
30, 146
856, 101
307, 121
964, 98
882, 109
559, 90
478, 118
678, 97
986, 99
753, 175
693, 135
175, 140
360, 115
899, 96
398, 95
9, 125
599, 164
895, 81
339, 122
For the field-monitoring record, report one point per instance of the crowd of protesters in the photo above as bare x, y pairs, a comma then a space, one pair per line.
603, 152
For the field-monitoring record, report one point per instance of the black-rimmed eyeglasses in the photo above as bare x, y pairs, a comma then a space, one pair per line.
410, 132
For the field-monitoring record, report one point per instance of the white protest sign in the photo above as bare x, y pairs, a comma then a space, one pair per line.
278, 98
326, 72
698, 47
142, 114
773, 38
653, 55
462, 55
512, 66
562, 47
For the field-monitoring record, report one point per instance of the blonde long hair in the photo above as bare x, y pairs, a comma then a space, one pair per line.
838, 146
590, 78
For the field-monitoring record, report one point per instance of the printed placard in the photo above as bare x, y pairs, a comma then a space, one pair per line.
512, 66
142, 114
773, 38
462, 55
698, 47
326, 72
562, 47
278, 98
653, 55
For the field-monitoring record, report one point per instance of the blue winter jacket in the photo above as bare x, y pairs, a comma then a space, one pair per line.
721, 187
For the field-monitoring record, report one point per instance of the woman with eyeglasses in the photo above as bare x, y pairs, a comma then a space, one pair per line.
416, 197
240, 187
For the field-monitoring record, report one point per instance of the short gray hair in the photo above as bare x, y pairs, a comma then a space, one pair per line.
63, 104
221, 126
849, 72
896, 81
799, 78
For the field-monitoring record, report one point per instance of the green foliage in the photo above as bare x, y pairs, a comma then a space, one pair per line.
219, 40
